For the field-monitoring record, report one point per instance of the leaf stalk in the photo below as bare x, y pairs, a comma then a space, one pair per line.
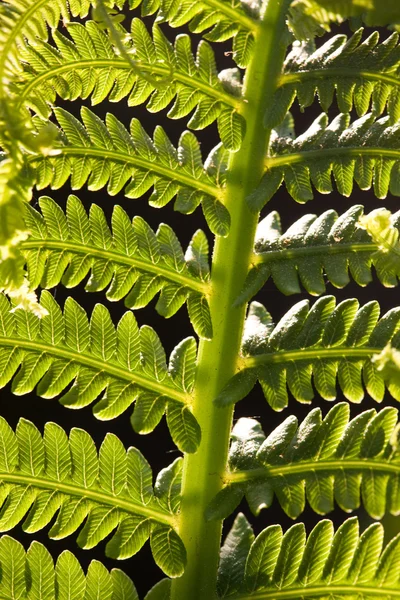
204, 471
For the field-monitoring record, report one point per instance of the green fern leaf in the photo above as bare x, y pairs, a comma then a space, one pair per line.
13, 27
76, 70
123, 363
323, 343
326, 564
308, 18
365, 151
30, 20
131, 261
362, 73
112, 489
233, 556
161, 591
219, 19
102, 154
32, 574
373, 11
321, 460
167, 488
168, 550
331, 246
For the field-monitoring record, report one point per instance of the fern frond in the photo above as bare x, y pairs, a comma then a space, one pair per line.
26, 19
360, 72
308, 19
112, 489
331, 245
221, 20
366, 151
373, 12
131, 260
109, 155
22, 20
77, 70
323, 343
126, 364
32, 574
323, 460
341, 565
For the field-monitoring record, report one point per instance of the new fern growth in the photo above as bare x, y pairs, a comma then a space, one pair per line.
53, 52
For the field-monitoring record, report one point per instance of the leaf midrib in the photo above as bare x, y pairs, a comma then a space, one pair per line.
134, 159
132, 261
346, 151
120, 63
95, 363
299, 76
318, 591
281, 356
334, 464
100, 496
329, 248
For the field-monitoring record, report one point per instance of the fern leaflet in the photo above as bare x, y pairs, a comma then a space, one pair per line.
112, 489
324, 343
359, 72
221, 20
326, 245
108, 154
292, 566
32, 574
123, 363
366, 151
310, 18
77, 70
372, 11
323, 460
131, 259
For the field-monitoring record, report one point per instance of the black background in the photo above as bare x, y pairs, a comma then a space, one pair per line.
158, 447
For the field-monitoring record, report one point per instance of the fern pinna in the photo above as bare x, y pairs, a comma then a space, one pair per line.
101, 52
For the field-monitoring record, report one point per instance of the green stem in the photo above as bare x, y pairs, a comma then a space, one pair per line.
204, 471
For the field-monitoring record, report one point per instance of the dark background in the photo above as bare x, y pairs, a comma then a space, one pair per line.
158, 447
